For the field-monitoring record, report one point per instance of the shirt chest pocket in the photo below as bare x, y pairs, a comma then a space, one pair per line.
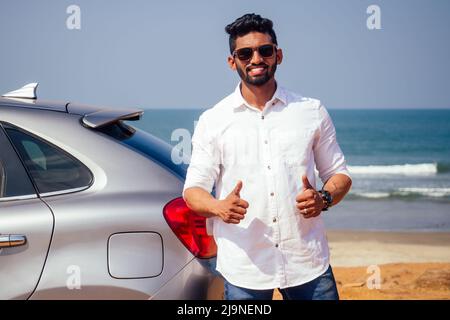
295, 146
240, 148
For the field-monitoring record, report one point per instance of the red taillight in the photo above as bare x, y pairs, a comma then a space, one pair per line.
190, 228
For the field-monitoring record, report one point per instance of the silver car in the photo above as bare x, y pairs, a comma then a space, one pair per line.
90, 208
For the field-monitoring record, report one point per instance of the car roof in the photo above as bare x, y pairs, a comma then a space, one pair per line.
92, 116
59, 106
26, 97
52, 105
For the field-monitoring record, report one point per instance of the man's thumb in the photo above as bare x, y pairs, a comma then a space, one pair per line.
306, 184
238, 188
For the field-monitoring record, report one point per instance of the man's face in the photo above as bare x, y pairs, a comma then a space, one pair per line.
257, 70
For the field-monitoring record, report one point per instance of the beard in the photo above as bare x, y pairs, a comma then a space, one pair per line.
257, 80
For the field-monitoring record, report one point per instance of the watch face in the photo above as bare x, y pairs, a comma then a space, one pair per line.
327, 197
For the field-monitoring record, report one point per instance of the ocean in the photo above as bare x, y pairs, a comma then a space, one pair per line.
399, 161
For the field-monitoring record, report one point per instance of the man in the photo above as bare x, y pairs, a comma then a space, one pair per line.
259, 147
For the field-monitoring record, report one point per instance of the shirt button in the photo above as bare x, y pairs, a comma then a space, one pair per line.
262, 117
276, 246
266, 142
268, 167
274, 220
272, 194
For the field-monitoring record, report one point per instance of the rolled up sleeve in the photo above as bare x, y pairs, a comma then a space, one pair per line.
204, 168
328, 155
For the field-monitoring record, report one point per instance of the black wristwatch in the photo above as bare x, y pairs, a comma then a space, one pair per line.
327, 198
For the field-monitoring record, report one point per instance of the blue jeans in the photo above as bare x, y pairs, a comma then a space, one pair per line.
321, 288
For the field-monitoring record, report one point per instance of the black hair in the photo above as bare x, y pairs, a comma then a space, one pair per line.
248, 23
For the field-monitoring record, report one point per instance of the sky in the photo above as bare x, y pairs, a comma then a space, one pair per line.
172, 54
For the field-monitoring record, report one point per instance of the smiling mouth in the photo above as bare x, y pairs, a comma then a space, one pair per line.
256, 71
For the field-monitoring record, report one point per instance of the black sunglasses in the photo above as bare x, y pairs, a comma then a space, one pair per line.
265, 51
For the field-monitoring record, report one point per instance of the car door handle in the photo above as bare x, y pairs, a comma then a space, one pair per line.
12, 240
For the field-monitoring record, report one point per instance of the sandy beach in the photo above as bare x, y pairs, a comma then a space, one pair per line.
390, 265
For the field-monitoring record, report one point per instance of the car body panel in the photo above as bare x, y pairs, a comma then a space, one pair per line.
21, 267
83, 225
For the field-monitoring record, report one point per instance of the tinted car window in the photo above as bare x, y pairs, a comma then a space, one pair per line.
51, 168
14, 180
146, 144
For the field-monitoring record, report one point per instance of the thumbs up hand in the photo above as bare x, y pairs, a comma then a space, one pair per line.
232, 209
306, 184
309, 201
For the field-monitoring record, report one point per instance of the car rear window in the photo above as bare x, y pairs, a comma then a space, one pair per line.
14, 181
52, 169
147, 144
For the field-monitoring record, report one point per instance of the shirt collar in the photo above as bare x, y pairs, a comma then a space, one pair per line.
239, 101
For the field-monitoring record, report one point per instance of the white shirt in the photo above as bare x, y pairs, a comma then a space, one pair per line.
274, 246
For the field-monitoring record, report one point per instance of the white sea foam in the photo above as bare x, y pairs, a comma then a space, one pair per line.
404, 192
403, 169
372, 195
429, 192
